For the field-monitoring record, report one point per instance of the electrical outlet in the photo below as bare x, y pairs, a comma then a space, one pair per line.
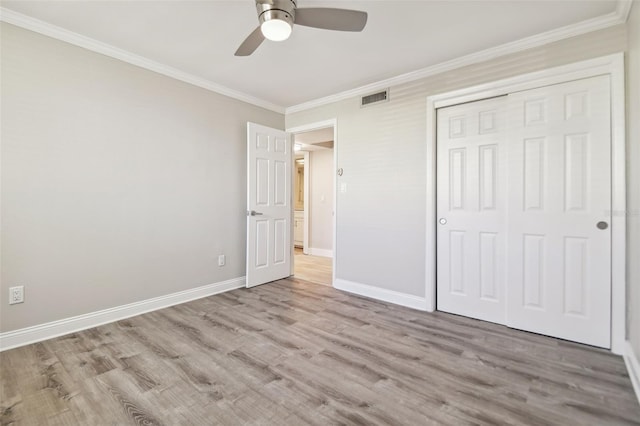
221, 260
16, 294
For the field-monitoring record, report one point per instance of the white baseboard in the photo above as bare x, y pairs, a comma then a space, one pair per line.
37, 333
320, 252
633, 367
385, 295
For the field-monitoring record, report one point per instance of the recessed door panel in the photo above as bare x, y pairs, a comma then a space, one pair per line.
535, 112
279, 241
458, 178
281, 183
488, 122
457, 127
533, 271
488, 175
576, 104
533, 185
262, 182
262, 142
575, 276
575, 168
489, 263
262, 244
456, 265
280, 145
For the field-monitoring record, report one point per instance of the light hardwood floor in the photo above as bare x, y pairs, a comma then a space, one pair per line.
316, 269
295, 353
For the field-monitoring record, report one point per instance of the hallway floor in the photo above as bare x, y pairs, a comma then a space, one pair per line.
315, 269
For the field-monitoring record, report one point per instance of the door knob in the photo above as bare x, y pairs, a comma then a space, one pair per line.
442, 221
254, 213
602, 225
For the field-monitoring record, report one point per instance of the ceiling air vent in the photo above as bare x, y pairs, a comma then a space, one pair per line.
375, 98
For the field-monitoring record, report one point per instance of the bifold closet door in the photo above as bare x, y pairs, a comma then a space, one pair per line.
523, 210
471, 205
559, 201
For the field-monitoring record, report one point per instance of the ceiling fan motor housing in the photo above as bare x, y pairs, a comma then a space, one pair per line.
278, 16
276, 9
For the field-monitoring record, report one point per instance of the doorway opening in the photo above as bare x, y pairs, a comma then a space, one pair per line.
313, 192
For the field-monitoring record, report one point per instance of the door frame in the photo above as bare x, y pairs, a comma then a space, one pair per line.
333, 122
611, 65
305, 230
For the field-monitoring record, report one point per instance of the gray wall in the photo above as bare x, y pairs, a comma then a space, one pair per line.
633, 183
381, 216
118, 184
320, 169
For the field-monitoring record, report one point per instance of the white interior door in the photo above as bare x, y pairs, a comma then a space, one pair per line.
524, 199
269, 154
471, 200
559, 191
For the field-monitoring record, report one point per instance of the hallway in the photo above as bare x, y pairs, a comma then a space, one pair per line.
315, 269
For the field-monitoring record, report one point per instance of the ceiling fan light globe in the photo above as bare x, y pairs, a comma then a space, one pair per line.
276, 29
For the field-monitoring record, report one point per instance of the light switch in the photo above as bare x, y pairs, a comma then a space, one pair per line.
343, 188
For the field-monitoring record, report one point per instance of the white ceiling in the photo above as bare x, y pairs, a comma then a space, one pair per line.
200, 38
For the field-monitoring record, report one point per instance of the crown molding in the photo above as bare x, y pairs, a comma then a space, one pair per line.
619, 16
623, 8
41, 27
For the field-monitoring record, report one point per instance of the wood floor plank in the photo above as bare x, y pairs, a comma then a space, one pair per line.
293, 352
136, 407
93, 406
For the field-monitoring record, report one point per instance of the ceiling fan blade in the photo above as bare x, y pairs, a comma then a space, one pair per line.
251, 43
331, 19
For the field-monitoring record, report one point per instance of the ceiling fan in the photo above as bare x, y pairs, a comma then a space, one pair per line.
278, 16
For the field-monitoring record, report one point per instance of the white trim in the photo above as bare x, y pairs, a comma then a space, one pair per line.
307, 181
320, 252
575, 71
431, 230
633, 367
618, 205
403, 299
619, 16
25, 336
41, 27
623, 8
333, 122
335, 202
612, 65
